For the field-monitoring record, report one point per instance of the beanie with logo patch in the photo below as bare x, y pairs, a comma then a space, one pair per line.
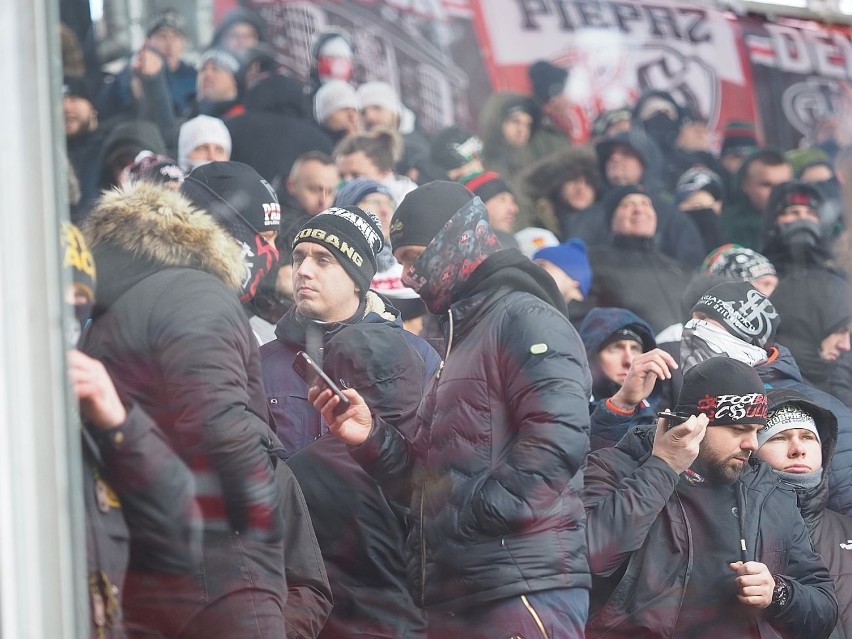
742, 310
726, 390
352, 235
242, 188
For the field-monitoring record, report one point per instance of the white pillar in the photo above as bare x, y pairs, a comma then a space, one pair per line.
40, 495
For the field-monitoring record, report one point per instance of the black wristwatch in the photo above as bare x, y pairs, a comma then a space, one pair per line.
781, 593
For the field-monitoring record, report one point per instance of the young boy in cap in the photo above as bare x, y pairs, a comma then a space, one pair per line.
684, 531
798, 442
502, 554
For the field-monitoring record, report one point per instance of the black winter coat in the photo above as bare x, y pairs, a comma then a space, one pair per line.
642, 552
496, 463
138, 484
631, 273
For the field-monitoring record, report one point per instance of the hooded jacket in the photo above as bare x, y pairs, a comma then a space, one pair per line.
677, 234
295, 419
128, 136
169, 328
830, 531
493, 471
277, 104
542, 183
608, 427
642, 552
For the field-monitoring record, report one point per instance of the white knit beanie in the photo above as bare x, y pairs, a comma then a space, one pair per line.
784, 418
379, 94
333, 96
201, 129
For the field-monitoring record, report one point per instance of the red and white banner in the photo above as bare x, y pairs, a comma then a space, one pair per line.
446, 56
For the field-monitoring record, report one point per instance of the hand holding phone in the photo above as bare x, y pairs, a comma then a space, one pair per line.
673, 419
313, 375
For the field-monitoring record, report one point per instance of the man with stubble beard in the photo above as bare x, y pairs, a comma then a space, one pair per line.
690, 537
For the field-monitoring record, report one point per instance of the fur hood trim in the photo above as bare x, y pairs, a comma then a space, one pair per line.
373, 303
155, 223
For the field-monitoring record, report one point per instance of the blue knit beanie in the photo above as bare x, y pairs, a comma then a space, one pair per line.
351, 193
570, 257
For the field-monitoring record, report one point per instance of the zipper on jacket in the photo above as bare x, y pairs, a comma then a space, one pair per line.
741, 506
423, 493
449, 344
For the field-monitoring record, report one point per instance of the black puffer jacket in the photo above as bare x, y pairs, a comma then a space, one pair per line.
500, 441
642, 550
830, 531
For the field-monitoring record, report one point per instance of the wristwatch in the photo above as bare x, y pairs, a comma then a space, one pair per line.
781, 593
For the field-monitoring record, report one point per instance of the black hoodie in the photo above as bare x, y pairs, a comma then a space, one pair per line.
276, 127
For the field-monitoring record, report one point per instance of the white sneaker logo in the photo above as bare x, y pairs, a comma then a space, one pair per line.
847, 545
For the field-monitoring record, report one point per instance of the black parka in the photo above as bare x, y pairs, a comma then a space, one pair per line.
494, 469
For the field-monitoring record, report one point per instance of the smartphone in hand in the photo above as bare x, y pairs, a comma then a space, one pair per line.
308, 370
673, 419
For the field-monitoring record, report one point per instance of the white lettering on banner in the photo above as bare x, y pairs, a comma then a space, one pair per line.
524, 30
805, 51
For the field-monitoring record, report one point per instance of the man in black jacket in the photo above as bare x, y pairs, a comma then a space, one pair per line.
170, 331
494, 467
361, 531
687, 538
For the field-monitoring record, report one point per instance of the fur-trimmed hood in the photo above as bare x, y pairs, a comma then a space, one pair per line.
160, 227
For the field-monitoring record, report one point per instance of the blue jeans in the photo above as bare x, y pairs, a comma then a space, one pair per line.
549, 614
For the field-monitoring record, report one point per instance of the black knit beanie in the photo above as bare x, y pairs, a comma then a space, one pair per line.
726, 390
425, 211
238, 186
353, 236
547, 80
614, 196
744, 312
486, 185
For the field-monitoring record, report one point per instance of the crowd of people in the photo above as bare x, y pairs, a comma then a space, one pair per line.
562, 390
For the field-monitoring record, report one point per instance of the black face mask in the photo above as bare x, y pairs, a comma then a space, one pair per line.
662, 129
801, 237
